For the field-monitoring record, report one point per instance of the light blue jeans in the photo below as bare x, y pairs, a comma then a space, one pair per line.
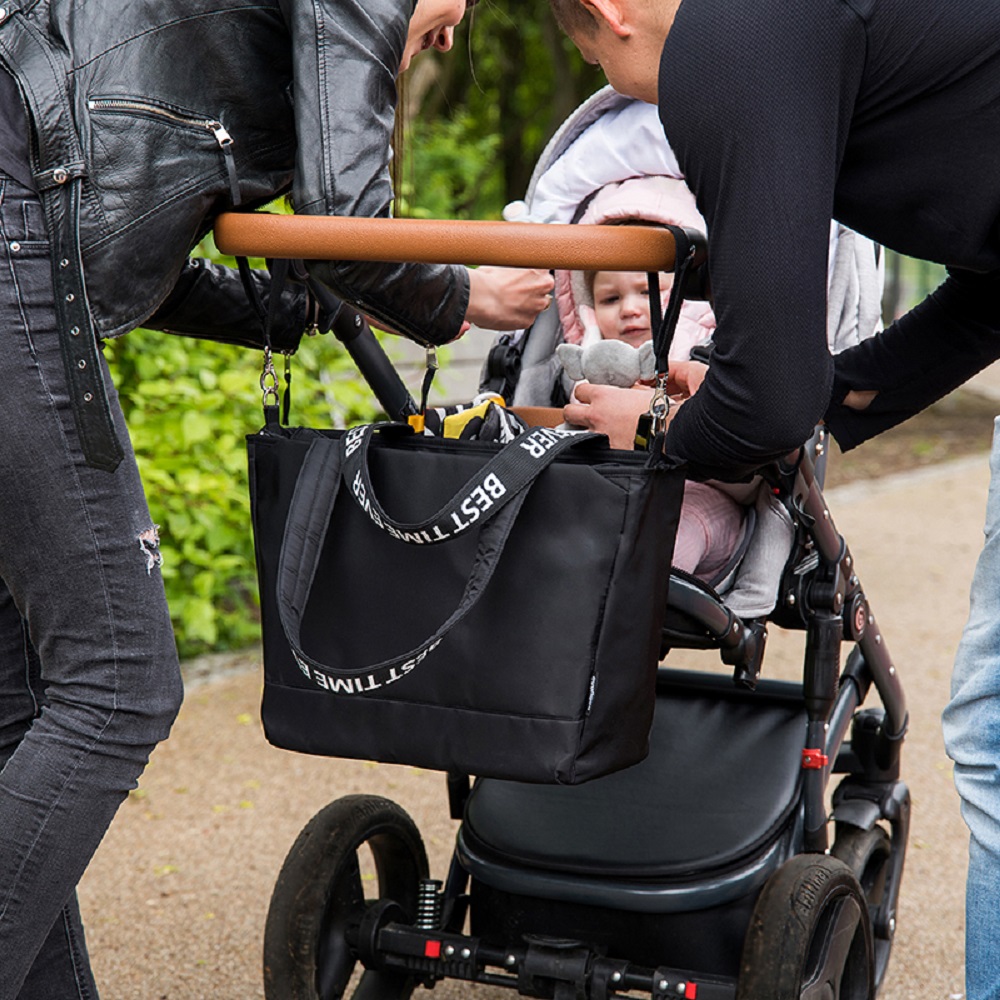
89, 679
972, 738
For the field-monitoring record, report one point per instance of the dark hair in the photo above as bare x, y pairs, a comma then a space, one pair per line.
572, 17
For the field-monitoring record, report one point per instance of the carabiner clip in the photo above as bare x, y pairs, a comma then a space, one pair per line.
659, 405
269, 380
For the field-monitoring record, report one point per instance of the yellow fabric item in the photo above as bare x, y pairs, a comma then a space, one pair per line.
456, 423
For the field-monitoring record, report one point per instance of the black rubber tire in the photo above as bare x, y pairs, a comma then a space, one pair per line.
319, 894
809, 936
866, 853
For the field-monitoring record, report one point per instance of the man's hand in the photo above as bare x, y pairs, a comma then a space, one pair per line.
507, 298
860, 399
609, 410
685, 377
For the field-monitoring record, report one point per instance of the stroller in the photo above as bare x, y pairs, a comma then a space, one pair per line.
708, 871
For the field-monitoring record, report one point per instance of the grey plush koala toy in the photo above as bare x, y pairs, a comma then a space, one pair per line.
608, 362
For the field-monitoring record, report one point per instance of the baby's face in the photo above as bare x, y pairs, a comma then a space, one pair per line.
621, 305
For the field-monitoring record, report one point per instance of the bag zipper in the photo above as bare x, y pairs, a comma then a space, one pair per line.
125, 105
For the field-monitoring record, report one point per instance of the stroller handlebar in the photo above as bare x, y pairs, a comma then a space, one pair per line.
437, 241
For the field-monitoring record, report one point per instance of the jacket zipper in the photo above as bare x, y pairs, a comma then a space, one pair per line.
218, 130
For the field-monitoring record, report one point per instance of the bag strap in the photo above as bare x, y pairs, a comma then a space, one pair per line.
663, 326
513, 468
312, 505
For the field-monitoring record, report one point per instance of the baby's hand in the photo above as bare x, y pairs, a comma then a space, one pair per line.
507, 298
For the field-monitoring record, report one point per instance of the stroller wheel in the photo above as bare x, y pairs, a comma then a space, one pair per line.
867, 853
357, 843
809, 936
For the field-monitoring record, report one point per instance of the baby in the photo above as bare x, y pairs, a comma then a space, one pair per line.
711, 522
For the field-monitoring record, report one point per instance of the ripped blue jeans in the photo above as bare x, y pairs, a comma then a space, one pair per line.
89, 679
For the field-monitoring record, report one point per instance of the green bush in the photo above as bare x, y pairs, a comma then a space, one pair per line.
189, 405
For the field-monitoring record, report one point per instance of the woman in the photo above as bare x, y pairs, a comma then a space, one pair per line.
122, 134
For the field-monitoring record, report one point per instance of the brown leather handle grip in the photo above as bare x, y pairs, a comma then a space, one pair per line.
435, 241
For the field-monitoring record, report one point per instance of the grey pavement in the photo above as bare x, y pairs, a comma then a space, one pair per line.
176, 897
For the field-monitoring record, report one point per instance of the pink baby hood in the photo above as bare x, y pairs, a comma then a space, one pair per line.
653, 199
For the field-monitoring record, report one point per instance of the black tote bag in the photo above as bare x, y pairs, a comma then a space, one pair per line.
461, 606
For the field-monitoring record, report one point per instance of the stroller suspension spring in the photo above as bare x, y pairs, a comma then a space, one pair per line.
429, 905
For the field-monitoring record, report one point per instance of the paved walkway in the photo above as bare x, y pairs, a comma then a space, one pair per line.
176, 897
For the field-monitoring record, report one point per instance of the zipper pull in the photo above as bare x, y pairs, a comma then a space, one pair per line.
222, 137
225, 141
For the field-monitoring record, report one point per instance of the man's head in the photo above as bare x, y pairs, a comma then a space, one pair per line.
573, 17
624, 37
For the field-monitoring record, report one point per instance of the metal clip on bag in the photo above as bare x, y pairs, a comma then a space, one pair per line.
462, 606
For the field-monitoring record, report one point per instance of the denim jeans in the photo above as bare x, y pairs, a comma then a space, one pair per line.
89, 679
972, 738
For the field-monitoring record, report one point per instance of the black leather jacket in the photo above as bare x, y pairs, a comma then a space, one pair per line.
149, 118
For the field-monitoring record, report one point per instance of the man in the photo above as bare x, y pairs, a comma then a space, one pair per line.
884, 114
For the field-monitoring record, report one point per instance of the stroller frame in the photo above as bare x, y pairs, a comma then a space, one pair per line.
320, 925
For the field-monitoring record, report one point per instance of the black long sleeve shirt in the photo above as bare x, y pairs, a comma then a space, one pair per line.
884, 114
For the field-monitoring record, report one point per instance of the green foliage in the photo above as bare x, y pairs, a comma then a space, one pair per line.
479, 117
454, 172
907, 282
189, 405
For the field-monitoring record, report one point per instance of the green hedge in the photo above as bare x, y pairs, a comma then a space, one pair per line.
189, 405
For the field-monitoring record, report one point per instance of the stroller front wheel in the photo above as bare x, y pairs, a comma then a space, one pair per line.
869, 854
356, 843
809, 936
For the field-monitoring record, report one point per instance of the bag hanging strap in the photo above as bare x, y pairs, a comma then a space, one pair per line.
511, 470
686, 246
280, 268
689, 246
312, 505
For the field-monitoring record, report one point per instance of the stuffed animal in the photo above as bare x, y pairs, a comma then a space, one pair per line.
608, 362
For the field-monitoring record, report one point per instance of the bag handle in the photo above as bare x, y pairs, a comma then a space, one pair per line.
513, 468
313, 500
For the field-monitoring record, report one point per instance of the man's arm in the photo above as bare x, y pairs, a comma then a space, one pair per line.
756, 100
924, 355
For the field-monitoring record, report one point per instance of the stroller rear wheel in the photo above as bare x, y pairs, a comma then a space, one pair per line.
320, 898
809, 935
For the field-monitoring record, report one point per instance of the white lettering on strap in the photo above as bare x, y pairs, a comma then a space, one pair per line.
542, 439
352, 440
366, 683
